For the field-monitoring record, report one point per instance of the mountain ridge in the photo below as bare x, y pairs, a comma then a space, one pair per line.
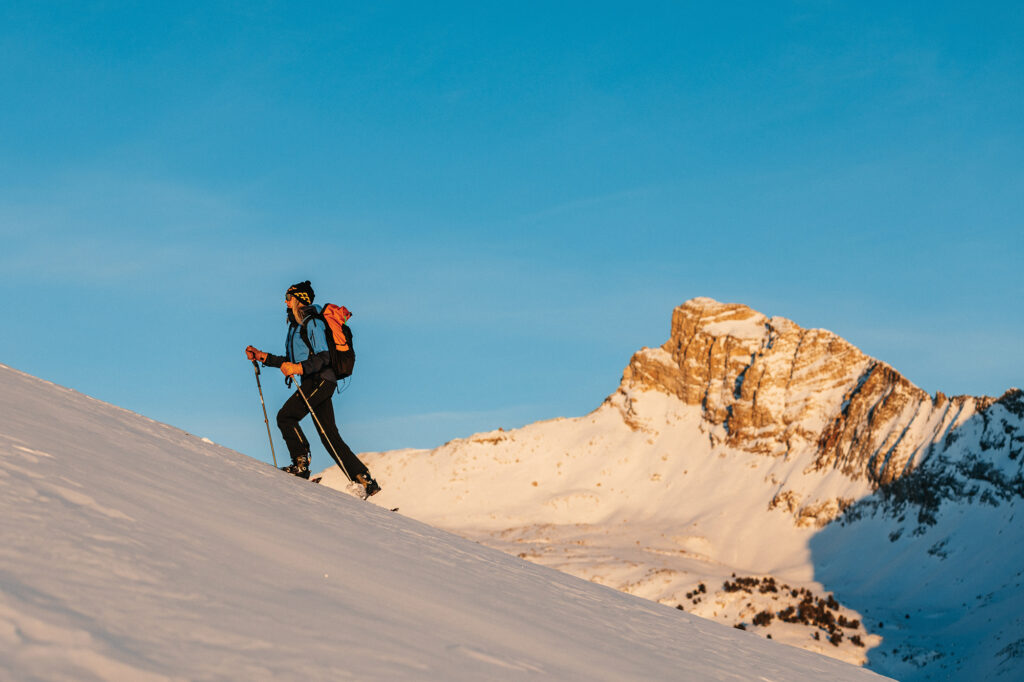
821, 398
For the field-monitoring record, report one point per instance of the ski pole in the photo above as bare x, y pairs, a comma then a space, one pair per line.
334, 452
266, 421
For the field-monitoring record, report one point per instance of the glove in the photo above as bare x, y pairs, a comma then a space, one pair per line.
290, 368
254, 353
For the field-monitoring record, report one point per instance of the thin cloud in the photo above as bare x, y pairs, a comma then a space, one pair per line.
101, 228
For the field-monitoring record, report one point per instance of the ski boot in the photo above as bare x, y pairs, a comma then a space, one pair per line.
299, 467
370, 486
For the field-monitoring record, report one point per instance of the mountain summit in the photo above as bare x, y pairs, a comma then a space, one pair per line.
769, 477
770, 387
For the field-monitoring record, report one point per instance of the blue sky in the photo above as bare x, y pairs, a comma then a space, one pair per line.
511, 198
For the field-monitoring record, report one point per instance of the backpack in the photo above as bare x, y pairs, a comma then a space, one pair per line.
339, 338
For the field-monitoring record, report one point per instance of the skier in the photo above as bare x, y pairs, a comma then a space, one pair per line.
310, 359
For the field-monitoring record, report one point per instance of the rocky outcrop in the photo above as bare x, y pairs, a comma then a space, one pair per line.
777, 389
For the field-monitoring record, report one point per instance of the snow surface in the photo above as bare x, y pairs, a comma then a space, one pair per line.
751, 328
134, 551
644, 496
654, 511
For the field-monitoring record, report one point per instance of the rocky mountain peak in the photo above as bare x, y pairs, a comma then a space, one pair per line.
768, 386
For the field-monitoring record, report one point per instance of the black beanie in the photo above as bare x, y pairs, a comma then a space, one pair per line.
302, 291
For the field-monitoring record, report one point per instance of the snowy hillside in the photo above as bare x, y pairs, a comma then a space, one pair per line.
134, 551
767, 477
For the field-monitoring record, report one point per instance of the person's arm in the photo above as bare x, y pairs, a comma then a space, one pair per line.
271, 360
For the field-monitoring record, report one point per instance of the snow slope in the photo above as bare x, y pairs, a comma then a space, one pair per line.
655, 512
661, 512
135, 551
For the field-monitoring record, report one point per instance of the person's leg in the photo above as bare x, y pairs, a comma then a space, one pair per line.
288, 417
323, 408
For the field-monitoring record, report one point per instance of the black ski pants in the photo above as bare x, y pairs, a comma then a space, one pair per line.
318, 392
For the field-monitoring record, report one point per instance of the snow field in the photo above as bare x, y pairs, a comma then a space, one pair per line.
644, 496
134, 551
653, 512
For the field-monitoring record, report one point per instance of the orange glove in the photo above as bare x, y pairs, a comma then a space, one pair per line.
290, 368
254, 353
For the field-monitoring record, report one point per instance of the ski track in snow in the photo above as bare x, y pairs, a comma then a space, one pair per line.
135, 551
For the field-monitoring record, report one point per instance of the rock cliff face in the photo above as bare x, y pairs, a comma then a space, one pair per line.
770, 387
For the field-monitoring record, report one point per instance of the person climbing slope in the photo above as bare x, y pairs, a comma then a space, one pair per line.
308, 355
